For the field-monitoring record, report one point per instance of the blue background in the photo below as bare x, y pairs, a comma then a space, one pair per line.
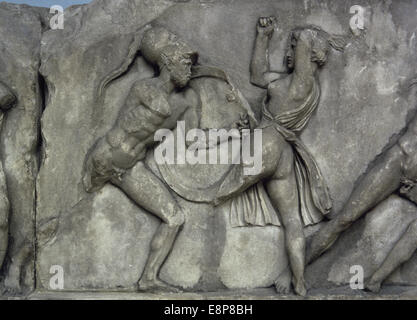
49, 3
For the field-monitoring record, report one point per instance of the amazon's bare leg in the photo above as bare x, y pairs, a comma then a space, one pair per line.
143, 187
283, 191
402, 252
278, 169
381, 181
236, 182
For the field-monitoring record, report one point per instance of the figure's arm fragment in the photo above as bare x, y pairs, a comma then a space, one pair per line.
381, 180
7, 98
259, 68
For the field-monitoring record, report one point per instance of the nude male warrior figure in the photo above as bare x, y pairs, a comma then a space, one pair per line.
151, 105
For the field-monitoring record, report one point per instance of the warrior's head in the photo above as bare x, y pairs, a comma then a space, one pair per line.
164, 49
318, 40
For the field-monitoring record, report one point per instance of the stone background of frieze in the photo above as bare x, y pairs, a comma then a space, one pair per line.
102, 240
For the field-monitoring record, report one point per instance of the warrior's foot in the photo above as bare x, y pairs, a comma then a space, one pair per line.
373, 286
12, 291
12, 287
156, 286
321, 241
12, 283
299, 287
283, 282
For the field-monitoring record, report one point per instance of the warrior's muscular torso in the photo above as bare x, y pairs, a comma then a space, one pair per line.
147, 109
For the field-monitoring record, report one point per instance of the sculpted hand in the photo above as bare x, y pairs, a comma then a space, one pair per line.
243, 123
266, 25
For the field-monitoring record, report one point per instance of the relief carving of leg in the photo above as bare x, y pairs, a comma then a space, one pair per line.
402, 252
380, 181
4, 234
282, 189
161, 245
236, 182
15, 271
151, 194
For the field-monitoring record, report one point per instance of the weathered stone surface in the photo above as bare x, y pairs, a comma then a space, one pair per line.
116, 260
253, 257
95, 42
73, 115
21, 30
367, 244
102, 239
387, 293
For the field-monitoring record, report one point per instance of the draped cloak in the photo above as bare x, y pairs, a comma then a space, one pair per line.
253, 206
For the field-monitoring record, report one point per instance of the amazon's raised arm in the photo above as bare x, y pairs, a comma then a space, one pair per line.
259, 68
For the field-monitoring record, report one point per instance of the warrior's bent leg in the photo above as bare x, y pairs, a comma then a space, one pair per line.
236, 182
161, 245
402, 252
283, 191
149, 192
381, 181
143, 187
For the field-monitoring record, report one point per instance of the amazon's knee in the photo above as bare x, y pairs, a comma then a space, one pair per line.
295, 241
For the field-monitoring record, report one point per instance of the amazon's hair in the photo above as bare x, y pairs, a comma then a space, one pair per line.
336, 42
